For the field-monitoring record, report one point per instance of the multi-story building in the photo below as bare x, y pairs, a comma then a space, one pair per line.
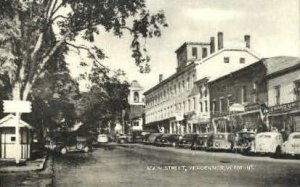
284, 94
238, 99
180, 103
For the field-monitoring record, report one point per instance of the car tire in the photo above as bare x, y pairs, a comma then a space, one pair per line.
63, 151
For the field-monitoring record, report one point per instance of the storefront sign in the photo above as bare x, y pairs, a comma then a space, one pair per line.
285, 107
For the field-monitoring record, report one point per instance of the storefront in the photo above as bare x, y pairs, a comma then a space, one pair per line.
285, 117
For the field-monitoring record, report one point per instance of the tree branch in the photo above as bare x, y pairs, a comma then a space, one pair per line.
88, 50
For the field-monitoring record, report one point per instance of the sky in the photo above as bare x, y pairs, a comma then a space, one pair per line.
272, 24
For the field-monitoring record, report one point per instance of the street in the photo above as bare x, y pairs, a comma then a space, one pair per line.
138, 165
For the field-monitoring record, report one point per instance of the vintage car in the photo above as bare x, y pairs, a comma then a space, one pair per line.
169, 140
153, 137
201, 141
187, 141
221, 141
243, 141
145, 139
69, 143
267, 143
292, 145
124, 138
102, 139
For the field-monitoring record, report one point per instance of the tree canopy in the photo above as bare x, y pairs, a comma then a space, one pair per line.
32, 31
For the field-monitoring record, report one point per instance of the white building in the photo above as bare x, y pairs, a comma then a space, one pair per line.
284, 93
136, 106
180, 103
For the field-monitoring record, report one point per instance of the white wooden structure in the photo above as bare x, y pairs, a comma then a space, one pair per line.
8, 138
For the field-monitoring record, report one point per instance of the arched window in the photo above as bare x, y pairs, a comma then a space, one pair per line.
136, 97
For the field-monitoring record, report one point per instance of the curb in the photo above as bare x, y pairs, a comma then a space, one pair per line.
19, 169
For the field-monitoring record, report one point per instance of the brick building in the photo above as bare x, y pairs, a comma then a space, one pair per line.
174, 104
236, 99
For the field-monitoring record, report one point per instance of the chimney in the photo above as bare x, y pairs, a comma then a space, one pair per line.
212, 45
160, 77
220, 40
247, 40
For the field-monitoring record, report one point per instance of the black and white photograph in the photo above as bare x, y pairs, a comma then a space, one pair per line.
143, 93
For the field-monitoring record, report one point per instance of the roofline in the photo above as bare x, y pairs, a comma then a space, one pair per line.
227, 49
191, 43
170, 77
198, 63
283, 71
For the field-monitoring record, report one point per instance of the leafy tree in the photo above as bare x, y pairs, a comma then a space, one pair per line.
28, 40
106, 100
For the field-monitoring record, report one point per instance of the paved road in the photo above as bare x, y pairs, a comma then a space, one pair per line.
136, 165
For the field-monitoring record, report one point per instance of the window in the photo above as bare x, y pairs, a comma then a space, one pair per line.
297, 90
188, 83
195, 52
206, 107
255, 92
183, 85
226, 59
204, 52
189, 105
205, 91
136, 123
201, 107
200, 91
136, 97
194, 102
179, 88
243, 94
175, 90
214, 107
184, 109
12, 139
229, 100
242, 60
277, 95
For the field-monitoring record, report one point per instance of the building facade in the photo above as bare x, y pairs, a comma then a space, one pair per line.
284, 94
238, 99
180, 104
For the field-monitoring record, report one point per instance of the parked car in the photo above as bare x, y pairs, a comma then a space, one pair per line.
201, 141
243, 141
145, 139
221, 141
169, 140
292, 145
268, 143
137, 136
124, 138
153, 137
187, 141
69, 143
102, 139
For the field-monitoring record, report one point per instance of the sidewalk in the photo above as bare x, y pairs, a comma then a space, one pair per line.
30, 165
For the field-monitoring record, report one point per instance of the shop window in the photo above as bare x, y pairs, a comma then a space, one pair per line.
277, 95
